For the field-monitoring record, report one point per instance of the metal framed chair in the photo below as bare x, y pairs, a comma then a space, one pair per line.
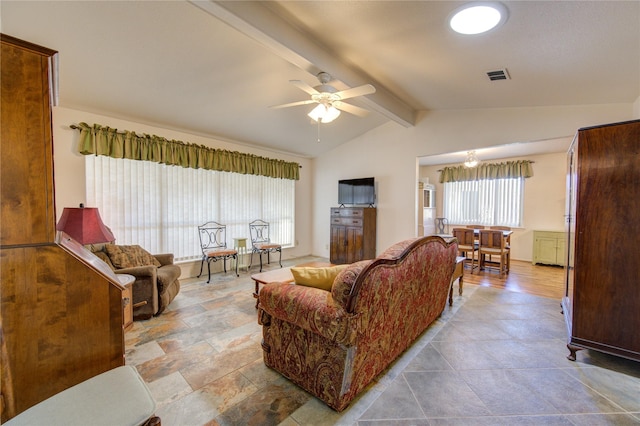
467, 243
213, 242
261, 243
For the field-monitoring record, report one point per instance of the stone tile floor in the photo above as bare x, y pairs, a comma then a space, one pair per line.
494, 358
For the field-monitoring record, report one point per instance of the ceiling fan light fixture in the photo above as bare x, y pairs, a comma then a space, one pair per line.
472, 159
478, 17
324, 113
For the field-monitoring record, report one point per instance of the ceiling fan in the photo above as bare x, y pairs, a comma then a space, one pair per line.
329, 99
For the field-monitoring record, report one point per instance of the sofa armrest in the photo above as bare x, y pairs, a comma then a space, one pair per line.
140, 271
164, 258
310, 308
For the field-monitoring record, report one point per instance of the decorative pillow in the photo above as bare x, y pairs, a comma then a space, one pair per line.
129, 256
317, 277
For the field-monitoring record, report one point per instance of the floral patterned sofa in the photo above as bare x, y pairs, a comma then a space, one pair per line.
333, 344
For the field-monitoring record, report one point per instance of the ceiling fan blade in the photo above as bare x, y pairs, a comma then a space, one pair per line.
304, 87
310, 101
351, 109
365, 89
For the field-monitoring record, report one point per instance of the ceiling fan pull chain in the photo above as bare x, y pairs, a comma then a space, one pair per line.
318, 130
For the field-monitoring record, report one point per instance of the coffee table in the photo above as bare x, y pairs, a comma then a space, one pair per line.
282, 275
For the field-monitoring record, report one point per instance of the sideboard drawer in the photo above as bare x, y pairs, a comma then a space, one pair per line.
348, 221
346, 212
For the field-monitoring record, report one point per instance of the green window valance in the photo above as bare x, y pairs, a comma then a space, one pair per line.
506, 170
101, 140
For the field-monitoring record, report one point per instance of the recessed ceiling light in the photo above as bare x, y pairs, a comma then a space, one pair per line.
476, 18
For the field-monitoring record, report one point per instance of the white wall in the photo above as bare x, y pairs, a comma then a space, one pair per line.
70, 172
544, 199
390, 154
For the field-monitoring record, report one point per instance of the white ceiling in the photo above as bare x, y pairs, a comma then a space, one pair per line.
214, 68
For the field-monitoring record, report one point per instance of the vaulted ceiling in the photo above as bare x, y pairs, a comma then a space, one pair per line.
215, 68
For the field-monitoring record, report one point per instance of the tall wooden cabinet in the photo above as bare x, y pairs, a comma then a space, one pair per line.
602, 301
61, 310
353, 234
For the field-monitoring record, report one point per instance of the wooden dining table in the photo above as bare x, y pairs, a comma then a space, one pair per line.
476, 232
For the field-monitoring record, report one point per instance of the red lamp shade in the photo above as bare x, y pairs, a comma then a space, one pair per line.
84, 225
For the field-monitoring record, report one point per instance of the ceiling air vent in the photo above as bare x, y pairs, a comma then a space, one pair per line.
501, 74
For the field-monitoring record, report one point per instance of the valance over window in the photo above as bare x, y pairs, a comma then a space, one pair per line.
506, 170
101, 140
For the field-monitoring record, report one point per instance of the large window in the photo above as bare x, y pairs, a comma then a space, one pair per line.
160, 207
489, 202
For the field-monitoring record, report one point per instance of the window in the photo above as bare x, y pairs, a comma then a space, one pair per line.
159, 207
489, 202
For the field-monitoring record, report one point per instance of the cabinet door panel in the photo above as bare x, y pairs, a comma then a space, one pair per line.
355, 251
338, 245
546, 251
26, 164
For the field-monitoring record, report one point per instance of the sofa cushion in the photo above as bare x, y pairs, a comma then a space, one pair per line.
317, 277
129, 256
345, 281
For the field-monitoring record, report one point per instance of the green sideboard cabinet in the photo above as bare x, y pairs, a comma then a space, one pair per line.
549, 247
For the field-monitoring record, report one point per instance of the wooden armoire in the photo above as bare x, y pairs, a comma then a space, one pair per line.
61, 310
353, 234
602, 301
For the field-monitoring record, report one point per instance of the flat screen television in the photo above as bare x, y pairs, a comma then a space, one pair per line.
357, 191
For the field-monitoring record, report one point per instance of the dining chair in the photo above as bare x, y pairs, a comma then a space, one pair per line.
213, 243
261, 243
477, 228
508, 237
493, 243
466, 244
441, 225
503, 228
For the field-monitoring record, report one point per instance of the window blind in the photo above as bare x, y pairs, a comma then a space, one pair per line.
489, 202
159, 207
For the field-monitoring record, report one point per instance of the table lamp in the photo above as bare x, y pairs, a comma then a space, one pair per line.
84, 225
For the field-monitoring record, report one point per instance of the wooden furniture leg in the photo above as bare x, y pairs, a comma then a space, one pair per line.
458, 274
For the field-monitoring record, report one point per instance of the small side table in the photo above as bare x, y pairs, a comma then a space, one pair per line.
127, 299
240, 244
282, 275
458, 272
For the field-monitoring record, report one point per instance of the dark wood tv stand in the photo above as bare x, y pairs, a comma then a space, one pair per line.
353, 234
